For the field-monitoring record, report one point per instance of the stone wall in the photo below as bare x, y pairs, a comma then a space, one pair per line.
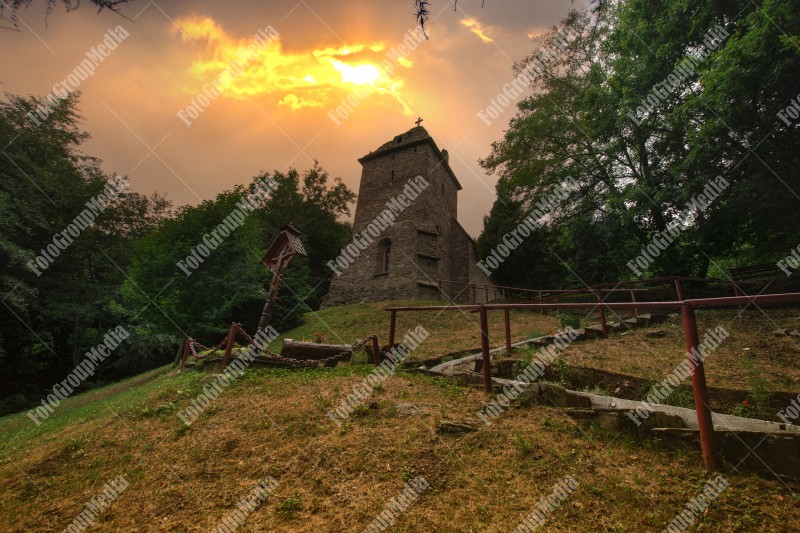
441, 204
465, 269
383, 178
362, 281
427, 242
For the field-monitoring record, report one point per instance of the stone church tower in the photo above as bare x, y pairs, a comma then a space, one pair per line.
425, 244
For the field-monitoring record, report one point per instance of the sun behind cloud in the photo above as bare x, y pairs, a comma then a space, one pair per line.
310, 79
359, 74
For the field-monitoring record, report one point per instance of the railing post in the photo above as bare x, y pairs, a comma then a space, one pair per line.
472, 295
678, 289
487, 363
392, 321
376, 351
635, 309
229, 345
185, 355
486, 294
508, 330
704, 421
736, 292
603, 325
541, 309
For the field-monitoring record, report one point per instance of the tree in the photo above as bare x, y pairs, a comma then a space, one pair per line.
636, 171
229, 284
56, 308
421, 8
313, 203
8, 10
124, 267
196, 301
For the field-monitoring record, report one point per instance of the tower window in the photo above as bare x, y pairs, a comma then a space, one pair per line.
442, 188
391, 178
384, 257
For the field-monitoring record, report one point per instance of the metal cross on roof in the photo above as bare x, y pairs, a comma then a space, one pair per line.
419, 121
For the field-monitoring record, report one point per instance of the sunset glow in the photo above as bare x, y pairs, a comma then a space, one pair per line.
476, 28
359, 75
314, 78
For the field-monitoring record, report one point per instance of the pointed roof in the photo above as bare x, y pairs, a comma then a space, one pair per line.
288, 242
413, 137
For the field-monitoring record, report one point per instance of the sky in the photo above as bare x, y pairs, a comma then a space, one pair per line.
283, 70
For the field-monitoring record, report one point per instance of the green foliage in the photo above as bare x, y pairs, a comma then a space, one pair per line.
230, 284
199, 304
73, 445
635, 176
523, 445
678, 397
123, 269
360, 411
757, 404
523, 358
158, 410
290, 507
48, 321
311, 202
569, 320
560, 365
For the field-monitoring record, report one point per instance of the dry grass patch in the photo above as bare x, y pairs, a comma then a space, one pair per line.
450, 331
273, 423
750, 350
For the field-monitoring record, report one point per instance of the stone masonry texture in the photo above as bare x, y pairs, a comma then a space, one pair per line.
425, 244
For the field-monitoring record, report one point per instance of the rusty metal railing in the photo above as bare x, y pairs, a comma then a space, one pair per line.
541, 295
687, 307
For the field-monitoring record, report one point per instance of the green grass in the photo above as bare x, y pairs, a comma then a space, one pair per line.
449, 331
273, 422
17, 430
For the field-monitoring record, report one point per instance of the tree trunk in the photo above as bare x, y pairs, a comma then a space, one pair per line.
312, 351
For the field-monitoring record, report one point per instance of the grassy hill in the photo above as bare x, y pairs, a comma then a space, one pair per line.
331, 478
449, 331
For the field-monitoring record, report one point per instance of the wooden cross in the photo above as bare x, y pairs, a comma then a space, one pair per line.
418, 122
281, 252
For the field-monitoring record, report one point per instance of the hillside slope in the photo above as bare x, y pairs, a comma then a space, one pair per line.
338, 478
449, 331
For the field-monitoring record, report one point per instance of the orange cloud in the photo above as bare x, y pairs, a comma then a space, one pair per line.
537, 33
314, 78
476, 28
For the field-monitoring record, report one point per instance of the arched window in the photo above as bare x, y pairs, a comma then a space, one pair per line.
384, 257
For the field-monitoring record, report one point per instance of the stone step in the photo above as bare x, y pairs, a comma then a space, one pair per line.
768, 454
